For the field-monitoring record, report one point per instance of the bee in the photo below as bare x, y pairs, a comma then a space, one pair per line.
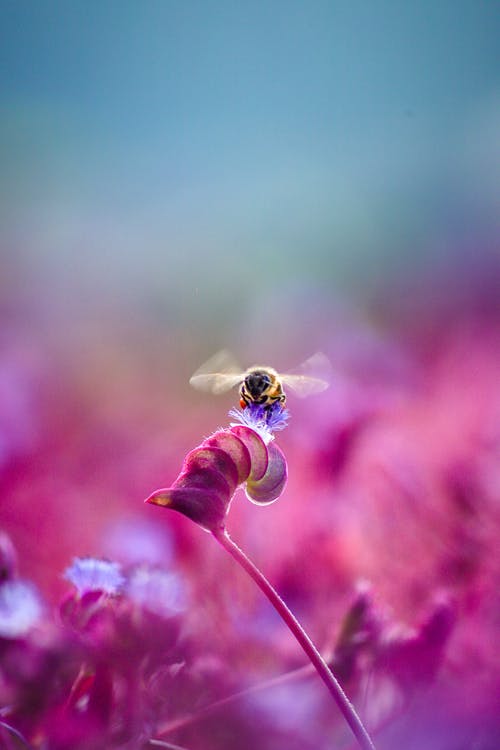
260, 384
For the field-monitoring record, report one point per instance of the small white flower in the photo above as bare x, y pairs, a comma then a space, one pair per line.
91, 574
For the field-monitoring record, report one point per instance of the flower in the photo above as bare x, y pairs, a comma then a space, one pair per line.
91, 574
262, 419
213, 471
20, 608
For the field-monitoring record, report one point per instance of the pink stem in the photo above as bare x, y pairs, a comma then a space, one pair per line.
345, 706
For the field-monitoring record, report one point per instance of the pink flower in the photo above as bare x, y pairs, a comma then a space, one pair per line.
213, 471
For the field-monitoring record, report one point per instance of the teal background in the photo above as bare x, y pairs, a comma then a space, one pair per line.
212, 166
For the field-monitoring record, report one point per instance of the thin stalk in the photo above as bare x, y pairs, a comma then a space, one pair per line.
342, 701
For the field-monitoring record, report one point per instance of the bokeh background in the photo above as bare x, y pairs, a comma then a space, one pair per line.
276, 178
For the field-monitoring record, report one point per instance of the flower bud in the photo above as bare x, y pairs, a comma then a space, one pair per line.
213, 471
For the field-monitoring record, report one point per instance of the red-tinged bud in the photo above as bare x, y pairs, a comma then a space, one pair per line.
213, 471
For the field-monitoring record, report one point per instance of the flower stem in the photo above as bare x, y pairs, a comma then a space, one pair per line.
345, 706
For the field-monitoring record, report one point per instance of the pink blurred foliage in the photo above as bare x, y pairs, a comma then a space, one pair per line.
385, 543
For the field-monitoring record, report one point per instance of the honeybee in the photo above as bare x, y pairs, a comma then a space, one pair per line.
260, 384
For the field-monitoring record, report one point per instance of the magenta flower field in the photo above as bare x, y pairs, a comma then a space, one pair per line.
124, 625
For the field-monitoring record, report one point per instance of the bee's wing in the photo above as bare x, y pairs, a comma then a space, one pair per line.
219, 373
313, 376
305, 385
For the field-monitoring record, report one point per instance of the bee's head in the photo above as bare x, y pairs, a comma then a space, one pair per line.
257, 382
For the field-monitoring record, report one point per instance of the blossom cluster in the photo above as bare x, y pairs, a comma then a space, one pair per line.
84, 676
153, 636
114, 666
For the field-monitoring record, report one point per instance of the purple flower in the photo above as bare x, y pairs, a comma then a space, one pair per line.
90, 574
20, 608
264, 420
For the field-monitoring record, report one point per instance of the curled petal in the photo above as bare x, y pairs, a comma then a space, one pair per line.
235, 448
216, 459
201, 493
269, 488
256, 448
201, 506
207, 479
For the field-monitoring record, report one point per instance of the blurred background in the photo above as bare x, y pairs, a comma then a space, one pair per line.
199, 163
276, 178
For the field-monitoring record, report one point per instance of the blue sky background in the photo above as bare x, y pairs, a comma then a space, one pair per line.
197, 157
